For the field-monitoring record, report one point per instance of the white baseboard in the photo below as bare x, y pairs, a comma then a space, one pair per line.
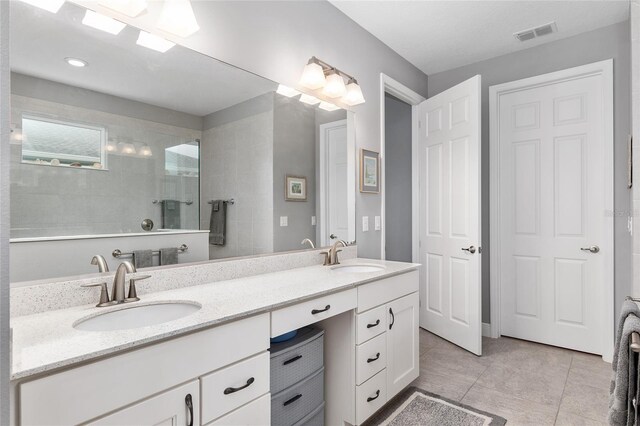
486, 329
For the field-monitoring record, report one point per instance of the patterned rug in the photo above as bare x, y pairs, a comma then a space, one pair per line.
417, 407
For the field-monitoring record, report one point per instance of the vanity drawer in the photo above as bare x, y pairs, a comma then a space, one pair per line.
295, 403
111, 383
371, 357
383, 291
370, 396
370, 324
231, 387
255, 413
309, 312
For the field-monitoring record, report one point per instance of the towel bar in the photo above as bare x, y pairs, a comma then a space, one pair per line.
635, 342
117, 253
188, 202
229, 201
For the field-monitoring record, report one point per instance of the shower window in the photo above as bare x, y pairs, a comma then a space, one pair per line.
62, 143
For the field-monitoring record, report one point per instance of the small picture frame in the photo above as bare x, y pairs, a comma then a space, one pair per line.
295, 188
369, 171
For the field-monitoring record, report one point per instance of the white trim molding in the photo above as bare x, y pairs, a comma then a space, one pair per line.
605, 69
402, 92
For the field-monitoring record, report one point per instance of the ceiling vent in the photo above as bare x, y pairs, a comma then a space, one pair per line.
540, 31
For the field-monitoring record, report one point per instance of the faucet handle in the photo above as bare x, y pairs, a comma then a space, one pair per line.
104, 293
335, 260
133, 295
326, 258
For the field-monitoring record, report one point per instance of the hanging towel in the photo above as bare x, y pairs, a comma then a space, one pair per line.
217, 226
624, 384
168, 256
171, 214
142, 258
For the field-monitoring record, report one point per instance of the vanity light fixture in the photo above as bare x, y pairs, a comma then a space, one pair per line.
308, 99
287, 91
130, 8
177, 18
102, 22
319, 74
127, 148
145, 151
52, 6
111, 146
354, 93
313, 75
75, 62
334, 87
328, 107
154, 42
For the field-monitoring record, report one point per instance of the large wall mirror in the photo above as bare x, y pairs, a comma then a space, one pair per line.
113, 138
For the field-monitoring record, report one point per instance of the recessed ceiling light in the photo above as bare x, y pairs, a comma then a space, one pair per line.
287, 91
130, 8
308, 99
52, 6
103, 23
75, 62
154, 42
328, 107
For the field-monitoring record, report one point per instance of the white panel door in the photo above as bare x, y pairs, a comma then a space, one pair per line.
551, 207
449, 220
333, 192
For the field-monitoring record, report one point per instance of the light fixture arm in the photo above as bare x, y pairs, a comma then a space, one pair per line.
327, 68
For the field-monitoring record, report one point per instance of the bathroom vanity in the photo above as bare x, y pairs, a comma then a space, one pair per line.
212, 365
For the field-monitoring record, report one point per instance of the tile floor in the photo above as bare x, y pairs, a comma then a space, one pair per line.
526, 383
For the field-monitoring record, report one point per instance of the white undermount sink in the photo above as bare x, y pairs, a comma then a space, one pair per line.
358, 268
135, 316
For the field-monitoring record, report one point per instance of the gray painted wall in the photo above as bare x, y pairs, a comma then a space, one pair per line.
294, 153
275, 39
609, 42
635, 108
5, 102
397, 173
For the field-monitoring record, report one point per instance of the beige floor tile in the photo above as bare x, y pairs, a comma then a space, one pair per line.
451, 386
517, 411
569, 419
590, 370
533, 356
539, 386
429, 341
586, 401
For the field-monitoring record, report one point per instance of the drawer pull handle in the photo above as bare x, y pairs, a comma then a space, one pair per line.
294, 359
374, 324
377, 357
317, 311
393, 318
292, 400
189, 402
371, 398
227, 391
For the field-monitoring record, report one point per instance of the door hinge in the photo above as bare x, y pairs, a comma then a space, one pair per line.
420, 303
419, 124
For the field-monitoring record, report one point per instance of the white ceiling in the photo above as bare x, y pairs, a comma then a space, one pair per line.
179, 79
441, 35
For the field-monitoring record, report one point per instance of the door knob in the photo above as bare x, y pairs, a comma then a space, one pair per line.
471, 249
333, 236
592, 249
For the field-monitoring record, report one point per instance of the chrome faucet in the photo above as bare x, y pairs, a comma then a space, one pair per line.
102, 264
118, 287
308, 241
331, 257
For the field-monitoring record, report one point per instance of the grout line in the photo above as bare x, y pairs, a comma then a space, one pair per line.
563, 389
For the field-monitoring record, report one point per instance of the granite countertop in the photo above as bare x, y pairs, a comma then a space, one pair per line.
47, 341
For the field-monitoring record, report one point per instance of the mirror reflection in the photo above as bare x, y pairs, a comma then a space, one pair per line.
111, 138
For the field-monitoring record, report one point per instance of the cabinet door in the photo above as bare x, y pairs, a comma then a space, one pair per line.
403, 365
170, 408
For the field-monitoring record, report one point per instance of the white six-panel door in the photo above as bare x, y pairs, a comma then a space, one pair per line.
334, 218
449, 218
552, 210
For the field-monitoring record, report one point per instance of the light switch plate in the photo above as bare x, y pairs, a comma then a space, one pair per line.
365, 223
313, 221
284, 220
377, 223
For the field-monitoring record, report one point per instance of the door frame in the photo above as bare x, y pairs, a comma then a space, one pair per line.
402, 92
323, 183
605, 69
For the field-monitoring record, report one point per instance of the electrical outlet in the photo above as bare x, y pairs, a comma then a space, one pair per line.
377, 223
365, 223
313, 221
284, 221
